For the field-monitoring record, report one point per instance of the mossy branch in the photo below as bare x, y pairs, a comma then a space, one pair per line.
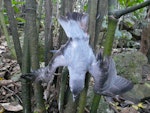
63, 89
112, 24
71, 106
3, 25
14, 30
95, 102
118, 14
83, 95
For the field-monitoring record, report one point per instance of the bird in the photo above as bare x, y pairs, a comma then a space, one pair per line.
78, 56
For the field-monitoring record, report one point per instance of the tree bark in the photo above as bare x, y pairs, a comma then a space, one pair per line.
66, 6
112, 24
92, 22
5, 31
83, 95
39, 10
69, 5
118, 14
63, 89
26, 85
101, 12
31, 35
48, 33
145, 38
71, 106
13, 27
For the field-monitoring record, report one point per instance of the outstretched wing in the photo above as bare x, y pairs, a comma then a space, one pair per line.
115, 85
120, 85
107, 82
46, 73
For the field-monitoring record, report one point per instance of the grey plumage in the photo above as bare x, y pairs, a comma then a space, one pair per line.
78, 53
107, 82
78, 56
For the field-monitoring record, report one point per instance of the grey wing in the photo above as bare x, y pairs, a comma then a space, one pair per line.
112, 68
95, 71
99, 71
107, 82
120, 85
115, 85
46, 73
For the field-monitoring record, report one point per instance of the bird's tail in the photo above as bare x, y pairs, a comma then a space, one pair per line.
75, 24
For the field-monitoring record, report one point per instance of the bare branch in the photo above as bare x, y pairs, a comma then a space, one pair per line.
118, 14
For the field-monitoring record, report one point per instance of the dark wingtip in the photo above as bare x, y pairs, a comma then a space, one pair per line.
62, 18
118, 87
28, 76
75, 16
128, 87
80, 18
113, 92
99, 55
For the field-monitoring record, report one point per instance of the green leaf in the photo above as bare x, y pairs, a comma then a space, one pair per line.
85, 7
129, 22
15, 2
128, 3
19, 19
16, 9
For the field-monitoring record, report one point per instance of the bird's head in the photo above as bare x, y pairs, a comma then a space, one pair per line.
76, 86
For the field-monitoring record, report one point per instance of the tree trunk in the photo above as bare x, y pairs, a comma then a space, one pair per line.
112, 24
39, 13
101, 12
13, 27
145, 38
26, 85
92, 22
5, 31
71, 106
48, 36
66, 6
31, 35
83, 95
63, 88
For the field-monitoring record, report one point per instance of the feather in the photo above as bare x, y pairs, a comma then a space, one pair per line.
75, 25
107, 82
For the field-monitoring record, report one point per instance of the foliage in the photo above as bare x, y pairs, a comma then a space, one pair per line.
124, 38
17, 6
133, 20
128, 3
81, 5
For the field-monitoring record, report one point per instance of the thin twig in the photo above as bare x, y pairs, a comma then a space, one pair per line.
14, 93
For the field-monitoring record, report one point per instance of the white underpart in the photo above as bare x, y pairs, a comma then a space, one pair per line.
79, 57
